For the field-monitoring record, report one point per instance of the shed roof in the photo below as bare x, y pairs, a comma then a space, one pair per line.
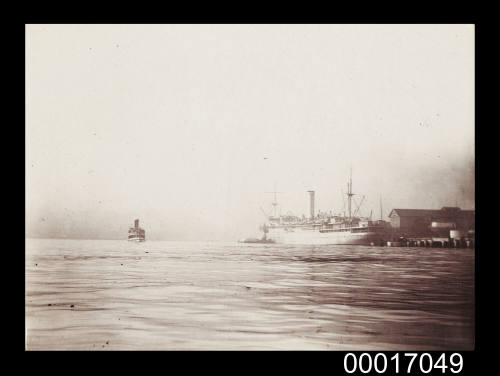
430, 212
414, 212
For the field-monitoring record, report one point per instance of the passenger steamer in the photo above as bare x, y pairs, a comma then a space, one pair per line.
136, 234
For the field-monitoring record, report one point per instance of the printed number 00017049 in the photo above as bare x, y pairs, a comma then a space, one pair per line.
379, 363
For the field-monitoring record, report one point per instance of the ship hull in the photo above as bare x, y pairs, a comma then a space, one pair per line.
136, 240
315, 237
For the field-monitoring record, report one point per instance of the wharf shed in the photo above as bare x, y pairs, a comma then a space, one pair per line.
425, 221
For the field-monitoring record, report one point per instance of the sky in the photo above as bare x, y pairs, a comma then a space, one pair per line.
187, 127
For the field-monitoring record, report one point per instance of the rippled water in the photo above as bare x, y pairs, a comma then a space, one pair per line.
116, 295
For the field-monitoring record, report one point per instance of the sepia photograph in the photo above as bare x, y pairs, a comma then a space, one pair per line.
250, 187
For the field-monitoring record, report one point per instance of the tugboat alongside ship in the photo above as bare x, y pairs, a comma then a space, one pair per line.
257, 241
263, 240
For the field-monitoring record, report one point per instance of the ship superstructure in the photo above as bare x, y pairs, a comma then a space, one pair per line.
136, 233
323, 228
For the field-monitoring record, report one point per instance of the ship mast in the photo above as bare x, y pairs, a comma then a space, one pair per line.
349, 196
275, 201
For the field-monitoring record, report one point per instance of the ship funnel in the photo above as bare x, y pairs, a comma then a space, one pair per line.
136, 223
311, 203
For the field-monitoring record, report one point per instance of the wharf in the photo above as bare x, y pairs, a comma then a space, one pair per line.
435, 242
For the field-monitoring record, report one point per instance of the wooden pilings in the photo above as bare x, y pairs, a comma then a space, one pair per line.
433, 242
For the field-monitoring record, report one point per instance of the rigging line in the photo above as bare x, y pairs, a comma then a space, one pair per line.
359, 206
343, 199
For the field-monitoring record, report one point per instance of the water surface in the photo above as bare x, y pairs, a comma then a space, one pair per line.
116, 295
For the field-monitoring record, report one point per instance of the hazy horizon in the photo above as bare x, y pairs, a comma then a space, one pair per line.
186, 127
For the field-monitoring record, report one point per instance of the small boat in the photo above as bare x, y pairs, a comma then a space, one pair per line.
257, 240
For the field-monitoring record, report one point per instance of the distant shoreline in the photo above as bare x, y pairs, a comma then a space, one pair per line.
120, 239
